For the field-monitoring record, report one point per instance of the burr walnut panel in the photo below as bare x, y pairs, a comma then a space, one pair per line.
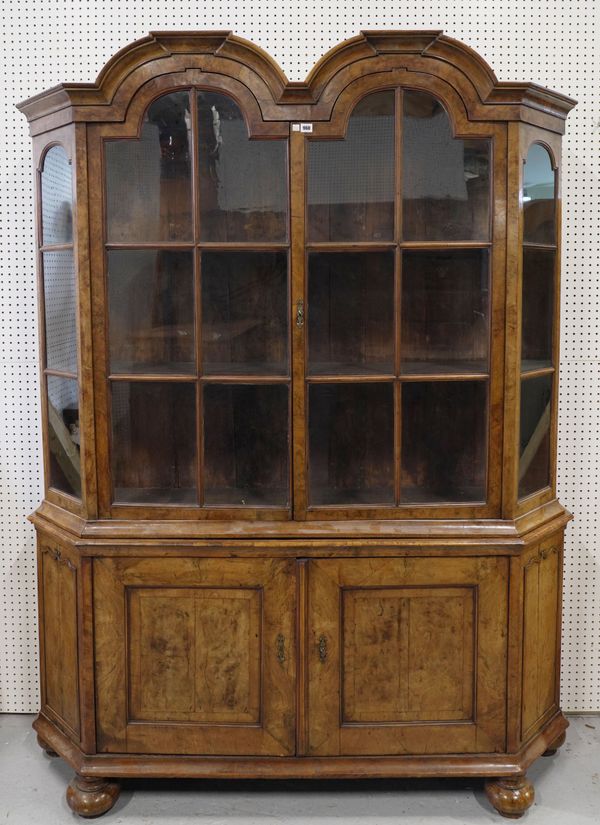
541, 627
59, 645
195, 655
406, 656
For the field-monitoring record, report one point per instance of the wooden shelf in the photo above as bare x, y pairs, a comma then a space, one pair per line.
441, 369
238, 497
156, 496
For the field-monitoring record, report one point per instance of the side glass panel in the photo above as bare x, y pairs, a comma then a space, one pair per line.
244, 313
443, 441
154, 442
538, 294
242, 182
246, 444
63, 461
534, 439
445, 180
148, 180
351, 443
539, 205
537, 308
350, 313
60, 304
445, 311
351, 181
63, 434
57, 198
151, 311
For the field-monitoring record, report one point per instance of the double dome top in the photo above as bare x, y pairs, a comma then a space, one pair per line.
196, 53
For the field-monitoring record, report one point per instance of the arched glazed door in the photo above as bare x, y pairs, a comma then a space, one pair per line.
401, 289
197, 290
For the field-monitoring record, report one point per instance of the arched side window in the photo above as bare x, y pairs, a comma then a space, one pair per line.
539, 261
60, 322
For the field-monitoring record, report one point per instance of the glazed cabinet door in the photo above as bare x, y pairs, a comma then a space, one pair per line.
195, 656
407, 656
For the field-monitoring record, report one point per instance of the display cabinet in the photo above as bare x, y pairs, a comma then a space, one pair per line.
299, 350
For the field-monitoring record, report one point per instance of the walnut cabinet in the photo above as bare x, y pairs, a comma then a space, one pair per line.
299, 366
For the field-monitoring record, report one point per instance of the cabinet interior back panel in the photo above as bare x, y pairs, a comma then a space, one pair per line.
552, 43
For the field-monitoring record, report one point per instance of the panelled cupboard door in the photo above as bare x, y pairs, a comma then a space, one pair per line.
407, 656
195, 656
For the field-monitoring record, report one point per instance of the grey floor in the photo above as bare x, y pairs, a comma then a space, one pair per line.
32, 787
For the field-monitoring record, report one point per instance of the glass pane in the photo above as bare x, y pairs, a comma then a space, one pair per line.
538, 308
246, 445
57, 198
539, 224
445, 301
244, 313
443, 441
351, 312
351, 443
243, 182
154, 442
351, 181
534, 442
60, 307
148, 183
63, 435
445, 180
151, 311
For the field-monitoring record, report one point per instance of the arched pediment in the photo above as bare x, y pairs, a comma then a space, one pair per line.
428, 52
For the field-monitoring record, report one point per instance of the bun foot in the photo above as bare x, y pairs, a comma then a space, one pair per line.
554, 746
46, 747
511, 797
91, 797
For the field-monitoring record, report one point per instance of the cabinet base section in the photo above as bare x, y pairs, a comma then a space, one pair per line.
499, 766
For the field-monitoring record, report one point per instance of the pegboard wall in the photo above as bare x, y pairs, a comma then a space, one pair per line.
552, 43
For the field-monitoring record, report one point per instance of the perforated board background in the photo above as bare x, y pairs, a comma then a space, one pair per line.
552, 43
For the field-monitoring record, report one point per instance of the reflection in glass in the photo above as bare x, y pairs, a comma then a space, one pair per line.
57, 198
445, 306
351, 443
148, 189
351, 312
246, 445
243, 182
351, 181
539, 205
534, 441
538, 308
445, 180
154, 442
151, 311
244, 312
60, 310
443, 441
63, 435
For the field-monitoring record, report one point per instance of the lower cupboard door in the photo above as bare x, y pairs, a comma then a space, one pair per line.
195, 656
407, 656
